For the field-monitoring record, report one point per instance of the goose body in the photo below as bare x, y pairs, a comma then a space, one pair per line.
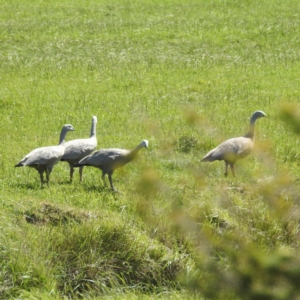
108, 160
77, 149
44, 158
235, 148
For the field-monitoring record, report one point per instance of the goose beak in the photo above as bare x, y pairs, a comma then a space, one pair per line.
145, 142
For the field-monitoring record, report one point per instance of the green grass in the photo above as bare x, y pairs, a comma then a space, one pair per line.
185, 75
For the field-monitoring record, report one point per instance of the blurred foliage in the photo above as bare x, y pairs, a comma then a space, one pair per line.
240, 250
290, 113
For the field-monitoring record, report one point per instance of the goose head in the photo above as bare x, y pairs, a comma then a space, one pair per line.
258, 114
144, 144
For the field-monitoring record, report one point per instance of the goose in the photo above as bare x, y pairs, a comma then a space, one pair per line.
235, 148
43, 159
75, 150
108, 160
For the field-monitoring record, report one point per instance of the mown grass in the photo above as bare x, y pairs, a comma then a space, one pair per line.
185, 75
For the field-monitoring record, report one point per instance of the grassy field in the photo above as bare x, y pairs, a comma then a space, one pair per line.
185, 75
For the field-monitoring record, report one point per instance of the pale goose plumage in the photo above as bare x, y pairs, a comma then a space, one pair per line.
235, 148
75, 150
107, 160
43, 159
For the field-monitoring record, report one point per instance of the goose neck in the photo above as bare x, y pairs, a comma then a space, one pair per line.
62, 137
93, 130
250, 133
132, 154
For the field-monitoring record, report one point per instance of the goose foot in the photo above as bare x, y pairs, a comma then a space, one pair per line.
113, 190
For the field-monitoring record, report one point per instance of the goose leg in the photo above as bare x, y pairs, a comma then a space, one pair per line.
111, 184
41, 177
48, 176
232, 170
226, 168
103, 178
80, 173
71, 173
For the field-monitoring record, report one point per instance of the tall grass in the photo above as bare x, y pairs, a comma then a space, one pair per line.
185, 75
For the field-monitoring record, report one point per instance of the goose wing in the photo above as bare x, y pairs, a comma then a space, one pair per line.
230, 150
104, 157
43, 156
78, 149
